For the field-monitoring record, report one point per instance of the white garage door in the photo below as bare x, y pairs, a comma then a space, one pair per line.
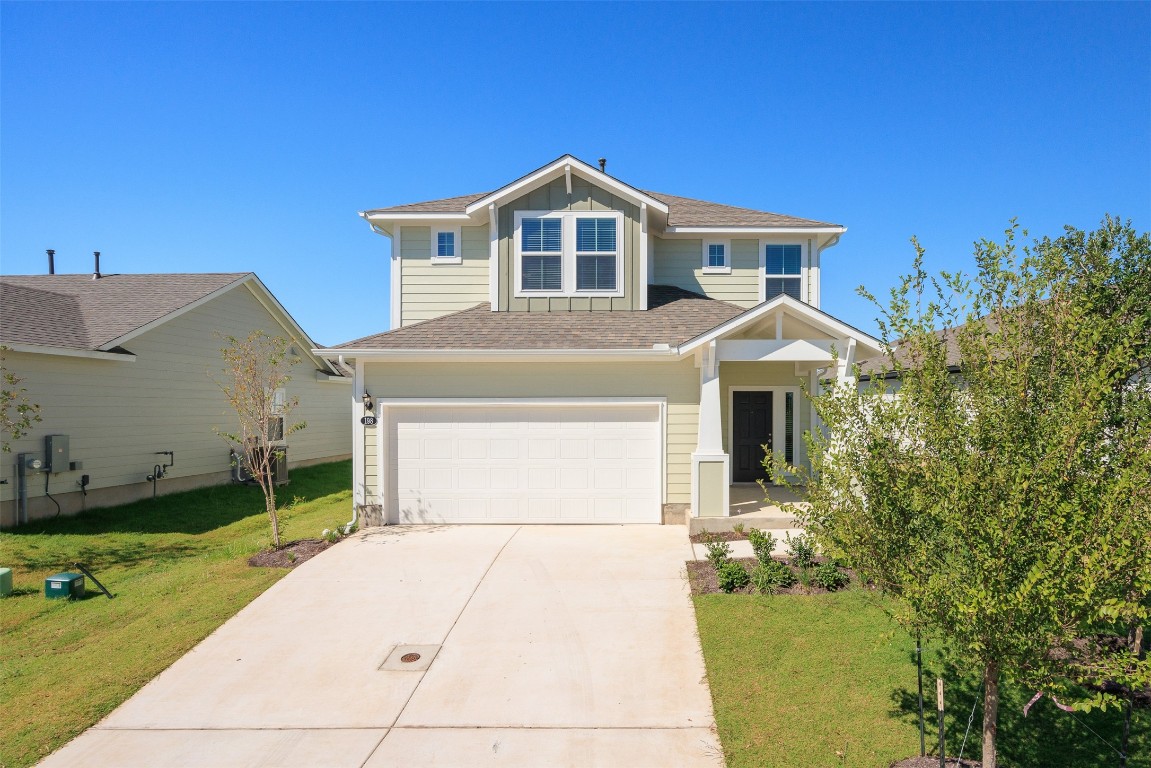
527, 464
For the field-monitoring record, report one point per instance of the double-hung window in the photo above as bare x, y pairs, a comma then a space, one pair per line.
595, 254
782, 268
541, 254
446, 246
717, 256
568, 253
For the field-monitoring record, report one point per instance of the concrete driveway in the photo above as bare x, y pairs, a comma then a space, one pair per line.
548, 646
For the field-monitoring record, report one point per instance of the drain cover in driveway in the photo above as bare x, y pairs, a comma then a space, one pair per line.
410, 658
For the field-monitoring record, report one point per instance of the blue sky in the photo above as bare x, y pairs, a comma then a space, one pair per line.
233, 137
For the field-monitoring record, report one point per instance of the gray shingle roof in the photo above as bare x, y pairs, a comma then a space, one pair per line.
682, 212
688, 212
674, 316
77, 312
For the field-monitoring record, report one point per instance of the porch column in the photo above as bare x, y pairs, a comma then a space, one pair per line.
709, 464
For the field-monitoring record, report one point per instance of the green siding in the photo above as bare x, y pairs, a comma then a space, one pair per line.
584, 197
430, 290
680, 263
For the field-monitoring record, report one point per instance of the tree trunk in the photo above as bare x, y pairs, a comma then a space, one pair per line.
270, 505
990, 713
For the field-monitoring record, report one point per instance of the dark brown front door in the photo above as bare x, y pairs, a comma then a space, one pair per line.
751, 427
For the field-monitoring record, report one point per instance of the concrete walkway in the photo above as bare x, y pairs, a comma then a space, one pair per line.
548, 646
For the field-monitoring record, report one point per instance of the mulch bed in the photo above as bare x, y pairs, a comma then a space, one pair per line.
701, 576
289, 555
933, 762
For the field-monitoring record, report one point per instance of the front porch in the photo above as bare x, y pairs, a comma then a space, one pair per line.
748, 506
753, 375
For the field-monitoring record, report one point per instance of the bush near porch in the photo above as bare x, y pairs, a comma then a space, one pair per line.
796, 678
178, 568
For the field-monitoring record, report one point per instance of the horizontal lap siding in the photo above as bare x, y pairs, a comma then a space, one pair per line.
680, 263
431, 290
118, 415
677, 381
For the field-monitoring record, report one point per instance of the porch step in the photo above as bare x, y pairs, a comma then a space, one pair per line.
777, 524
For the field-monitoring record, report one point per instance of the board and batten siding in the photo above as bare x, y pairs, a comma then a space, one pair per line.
119, 414
429, 290
677, 382
680, 263
585, 196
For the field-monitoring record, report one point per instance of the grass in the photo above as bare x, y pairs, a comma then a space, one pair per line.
178, 569
794, 679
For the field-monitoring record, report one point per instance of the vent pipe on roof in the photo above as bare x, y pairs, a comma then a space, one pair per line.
51, 261
603, 165
96, 274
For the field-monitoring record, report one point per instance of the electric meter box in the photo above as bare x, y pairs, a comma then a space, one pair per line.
67, 585
56, 452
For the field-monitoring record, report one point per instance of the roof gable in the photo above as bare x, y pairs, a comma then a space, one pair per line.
78, 312
681, 213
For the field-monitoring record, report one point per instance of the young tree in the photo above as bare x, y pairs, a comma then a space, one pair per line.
1002, 493
17, 413
256, 369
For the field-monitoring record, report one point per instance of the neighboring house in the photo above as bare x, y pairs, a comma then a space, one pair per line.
127, 367
572, 349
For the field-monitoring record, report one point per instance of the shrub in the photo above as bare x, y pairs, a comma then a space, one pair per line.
801, 550
731, 576
771, 576
762, 543
738, 528
718, 552
828, 576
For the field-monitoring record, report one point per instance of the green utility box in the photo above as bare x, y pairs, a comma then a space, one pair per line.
69, 585
5, 582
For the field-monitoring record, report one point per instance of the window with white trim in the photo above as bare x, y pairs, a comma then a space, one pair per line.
783, 265
717, 256
446, 246
568, 253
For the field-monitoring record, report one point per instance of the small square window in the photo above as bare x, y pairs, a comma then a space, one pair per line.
716, 256
446, 246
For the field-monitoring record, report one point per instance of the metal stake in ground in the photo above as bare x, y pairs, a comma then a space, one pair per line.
88, 573
939, 706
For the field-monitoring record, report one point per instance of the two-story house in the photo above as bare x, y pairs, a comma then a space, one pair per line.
572, 349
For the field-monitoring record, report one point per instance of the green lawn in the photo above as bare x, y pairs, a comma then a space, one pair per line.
794, 679
178, 568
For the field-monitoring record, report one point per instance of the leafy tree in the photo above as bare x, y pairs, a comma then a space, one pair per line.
17, 413
1004, 492
256, 369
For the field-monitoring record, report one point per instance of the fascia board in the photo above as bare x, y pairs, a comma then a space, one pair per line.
556, 169
421, 216
754, 230
94, 354
502, 355
807, 313
124, 338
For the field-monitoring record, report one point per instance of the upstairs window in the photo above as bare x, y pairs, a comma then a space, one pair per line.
782, 268
568, 253
595, 255
717, 256
446, 246
541, 254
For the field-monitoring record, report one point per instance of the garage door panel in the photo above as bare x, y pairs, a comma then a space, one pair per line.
592, 464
